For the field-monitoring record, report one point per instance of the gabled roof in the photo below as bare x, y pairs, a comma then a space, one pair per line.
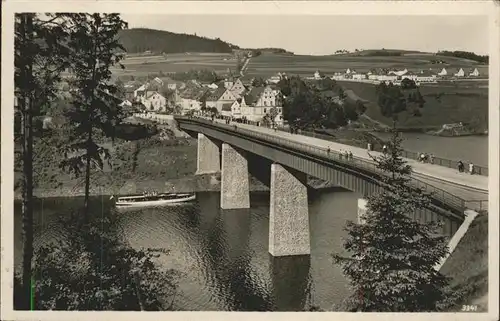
253, 96
216, 94
194, 93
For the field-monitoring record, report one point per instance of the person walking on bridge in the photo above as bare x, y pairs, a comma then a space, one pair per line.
471, 168
460, 166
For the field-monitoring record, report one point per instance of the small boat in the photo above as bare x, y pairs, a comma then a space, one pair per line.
148, 200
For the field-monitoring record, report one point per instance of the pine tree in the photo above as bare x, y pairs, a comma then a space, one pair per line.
95, 49
39, 60
392, 258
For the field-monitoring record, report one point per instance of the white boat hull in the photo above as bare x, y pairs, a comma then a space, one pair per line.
153, 203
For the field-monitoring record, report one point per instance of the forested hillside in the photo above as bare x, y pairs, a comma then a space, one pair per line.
139, 40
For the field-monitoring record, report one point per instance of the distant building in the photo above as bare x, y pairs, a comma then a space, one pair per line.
227, 97
460, 73
443, 72
474, 73
153, 101
359, 76
426, 76
409, 75
238, 88
318, 75
159, 81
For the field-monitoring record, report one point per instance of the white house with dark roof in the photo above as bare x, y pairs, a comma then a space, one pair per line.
426, 76
154, 101
227, 97
474, 73
460, 73
443, 72
409, 75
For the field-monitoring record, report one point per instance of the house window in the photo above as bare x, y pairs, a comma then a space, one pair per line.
264, 110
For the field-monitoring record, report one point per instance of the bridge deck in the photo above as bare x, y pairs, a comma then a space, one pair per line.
466, 186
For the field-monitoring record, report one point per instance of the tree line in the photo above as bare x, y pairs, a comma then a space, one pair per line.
139, 40
93, 269
317, 105
484, 59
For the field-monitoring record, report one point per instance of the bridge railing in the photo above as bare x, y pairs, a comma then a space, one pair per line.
438, 161
438, 194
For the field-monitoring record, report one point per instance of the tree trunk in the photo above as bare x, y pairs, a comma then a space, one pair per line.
27, 135
87, 175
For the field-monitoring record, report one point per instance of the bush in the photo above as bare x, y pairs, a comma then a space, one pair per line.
96, 270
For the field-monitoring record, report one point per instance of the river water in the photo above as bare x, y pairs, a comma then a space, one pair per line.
223, 255
465, 148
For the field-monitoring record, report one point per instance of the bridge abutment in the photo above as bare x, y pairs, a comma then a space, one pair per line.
289, 213
234, 190
208, 161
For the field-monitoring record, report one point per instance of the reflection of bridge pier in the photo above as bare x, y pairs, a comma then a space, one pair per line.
290, 275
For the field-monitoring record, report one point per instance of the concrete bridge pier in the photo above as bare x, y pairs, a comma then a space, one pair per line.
362, 208
234, 189
289, 213
208, 160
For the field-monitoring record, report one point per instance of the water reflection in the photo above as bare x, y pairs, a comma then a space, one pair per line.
290, 280
223, 254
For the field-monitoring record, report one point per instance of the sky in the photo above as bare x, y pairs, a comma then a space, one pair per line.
320, 35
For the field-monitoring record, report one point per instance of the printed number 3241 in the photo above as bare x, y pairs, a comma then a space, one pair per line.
469, 308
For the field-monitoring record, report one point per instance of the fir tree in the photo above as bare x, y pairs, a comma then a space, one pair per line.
392, 258
95, 49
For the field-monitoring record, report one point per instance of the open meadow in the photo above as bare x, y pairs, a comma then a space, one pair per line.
270, 64
444, 103
144, 65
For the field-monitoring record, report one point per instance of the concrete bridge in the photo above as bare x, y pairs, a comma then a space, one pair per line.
283, 161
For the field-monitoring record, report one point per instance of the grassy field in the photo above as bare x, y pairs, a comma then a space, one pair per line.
470, 280
269, 64
445, 103
136, 166
144, 65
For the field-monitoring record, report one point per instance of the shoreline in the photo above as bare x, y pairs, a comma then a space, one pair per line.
189, 184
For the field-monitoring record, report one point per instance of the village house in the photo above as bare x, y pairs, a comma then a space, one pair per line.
227, 97
213, 96
474, 73
259, 102
318, 75
337, 76
409, 75
269, 97
192, 98
426, 76
158, 81
228, 83
226, 110
153, 101
238, 88
460, 73
140, 92
276, 78
443, 72
358, 76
